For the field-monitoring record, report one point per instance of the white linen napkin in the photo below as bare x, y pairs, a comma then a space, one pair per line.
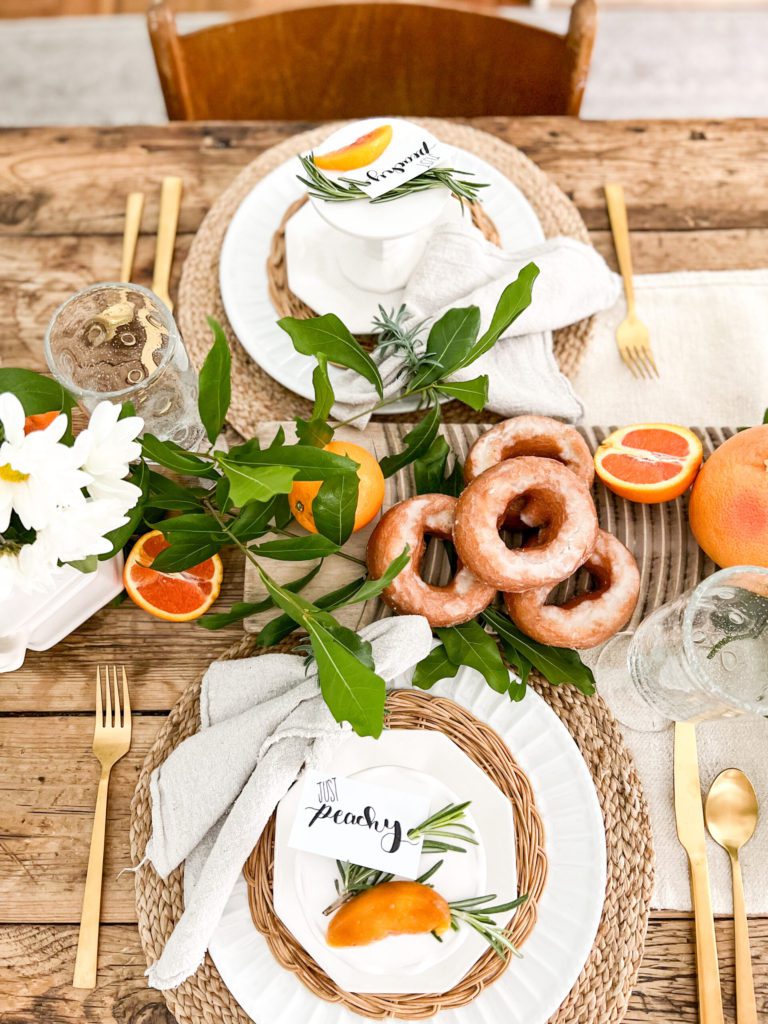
709, 333
461, 268
261, 720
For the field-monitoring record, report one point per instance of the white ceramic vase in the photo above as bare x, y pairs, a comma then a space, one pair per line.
38, 621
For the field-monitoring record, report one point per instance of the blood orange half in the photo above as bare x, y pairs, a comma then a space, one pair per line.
649, 462
175, 596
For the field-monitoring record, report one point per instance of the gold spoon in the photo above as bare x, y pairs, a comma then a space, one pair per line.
731, 816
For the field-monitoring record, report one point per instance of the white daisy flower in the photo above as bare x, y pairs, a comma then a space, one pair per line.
77, 531
37, 473
106, 448
27, 568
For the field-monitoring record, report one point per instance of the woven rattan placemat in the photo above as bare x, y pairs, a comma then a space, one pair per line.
255, 395
601, 993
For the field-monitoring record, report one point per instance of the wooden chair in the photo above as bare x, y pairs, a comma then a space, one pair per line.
352, 60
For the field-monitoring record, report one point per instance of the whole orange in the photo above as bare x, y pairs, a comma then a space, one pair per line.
370, 494
729, 501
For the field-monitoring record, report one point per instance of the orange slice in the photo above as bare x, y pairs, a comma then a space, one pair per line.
39, 421
370, 494
360, 153
649, 462
174, 596
391, 908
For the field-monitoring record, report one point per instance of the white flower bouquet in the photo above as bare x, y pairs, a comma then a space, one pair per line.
63, 500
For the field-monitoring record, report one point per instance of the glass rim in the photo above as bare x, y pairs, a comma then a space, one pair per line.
174, 337
691, 607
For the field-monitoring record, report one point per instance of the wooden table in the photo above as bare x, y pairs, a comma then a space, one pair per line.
697, 200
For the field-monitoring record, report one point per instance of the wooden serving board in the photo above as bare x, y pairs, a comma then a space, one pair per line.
669, 558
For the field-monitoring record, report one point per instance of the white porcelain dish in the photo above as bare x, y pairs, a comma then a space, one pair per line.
533, 987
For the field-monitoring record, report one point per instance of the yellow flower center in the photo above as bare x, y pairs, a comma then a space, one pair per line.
11, 475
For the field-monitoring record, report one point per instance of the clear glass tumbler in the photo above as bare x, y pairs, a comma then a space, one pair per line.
703, 655
119, 342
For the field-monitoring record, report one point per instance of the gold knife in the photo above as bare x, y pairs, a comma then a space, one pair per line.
168, 218
689, 815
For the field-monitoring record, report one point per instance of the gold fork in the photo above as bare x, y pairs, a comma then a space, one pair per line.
632, 335
111, 740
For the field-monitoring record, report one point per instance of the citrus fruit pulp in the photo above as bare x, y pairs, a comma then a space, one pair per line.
360, 153
649, 462
178, 596
370, 495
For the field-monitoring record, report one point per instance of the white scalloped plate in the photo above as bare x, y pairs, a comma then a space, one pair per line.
533, 987
244, 253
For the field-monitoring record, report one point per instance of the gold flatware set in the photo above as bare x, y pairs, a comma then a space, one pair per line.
730, 814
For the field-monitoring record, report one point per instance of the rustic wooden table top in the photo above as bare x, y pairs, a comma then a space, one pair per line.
696, 193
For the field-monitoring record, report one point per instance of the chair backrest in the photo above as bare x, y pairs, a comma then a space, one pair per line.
338, 60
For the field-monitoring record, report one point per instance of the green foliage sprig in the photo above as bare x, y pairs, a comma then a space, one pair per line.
344, 190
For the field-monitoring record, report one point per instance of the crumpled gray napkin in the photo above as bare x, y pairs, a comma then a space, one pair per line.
461, 268
261, 720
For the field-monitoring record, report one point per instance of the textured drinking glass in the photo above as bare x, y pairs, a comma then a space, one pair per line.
705, 654
119, 342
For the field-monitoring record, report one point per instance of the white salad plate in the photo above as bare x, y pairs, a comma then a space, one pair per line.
243, 263
425, 763
569, 910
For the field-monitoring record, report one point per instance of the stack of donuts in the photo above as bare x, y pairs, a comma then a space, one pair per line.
529, 474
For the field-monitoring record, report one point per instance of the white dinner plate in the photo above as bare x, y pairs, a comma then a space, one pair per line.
243, 264
429, 764
533, 987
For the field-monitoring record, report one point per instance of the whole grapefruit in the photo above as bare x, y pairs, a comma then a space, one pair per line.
729, 501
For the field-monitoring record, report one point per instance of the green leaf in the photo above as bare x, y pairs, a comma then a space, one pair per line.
243, 609
515, 298
86, 565
327, 336
314, 432
417, 442
127, 409
195, 525
215, 385
765, 416
351, 688
278, 440
324, 396
522, 666
163, 488
469, 644
449, 341
221, 495
170, 455
557, 664
473, 393
36, 392
310, 463
255, 483
253, 520
436, 666
281, 626
372, 588
429, 469
140, 475
185, 552
283, 513
334, 507
296, 549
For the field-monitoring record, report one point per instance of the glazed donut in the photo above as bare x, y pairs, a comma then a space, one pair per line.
587, 619
530, 435
569, 524
409, 522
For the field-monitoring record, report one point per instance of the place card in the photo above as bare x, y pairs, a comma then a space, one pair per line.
351, 820
412, 151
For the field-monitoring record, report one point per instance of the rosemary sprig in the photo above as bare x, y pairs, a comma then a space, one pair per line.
396, 336
343, 190
354, 879
472, 912
442, 825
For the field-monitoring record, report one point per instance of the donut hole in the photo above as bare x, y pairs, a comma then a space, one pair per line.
539, 445
439, 562
587, 584
542, 504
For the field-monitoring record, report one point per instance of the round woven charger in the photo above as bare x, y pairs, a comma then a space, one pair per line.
256, 397
412, 709
601, 992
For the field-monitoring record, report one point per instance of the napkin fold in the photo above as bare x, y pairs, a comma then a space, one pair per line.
261, 721
461, 268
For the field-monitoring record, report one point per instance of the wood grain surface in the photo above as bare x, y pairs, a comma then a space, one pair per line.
696, 198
